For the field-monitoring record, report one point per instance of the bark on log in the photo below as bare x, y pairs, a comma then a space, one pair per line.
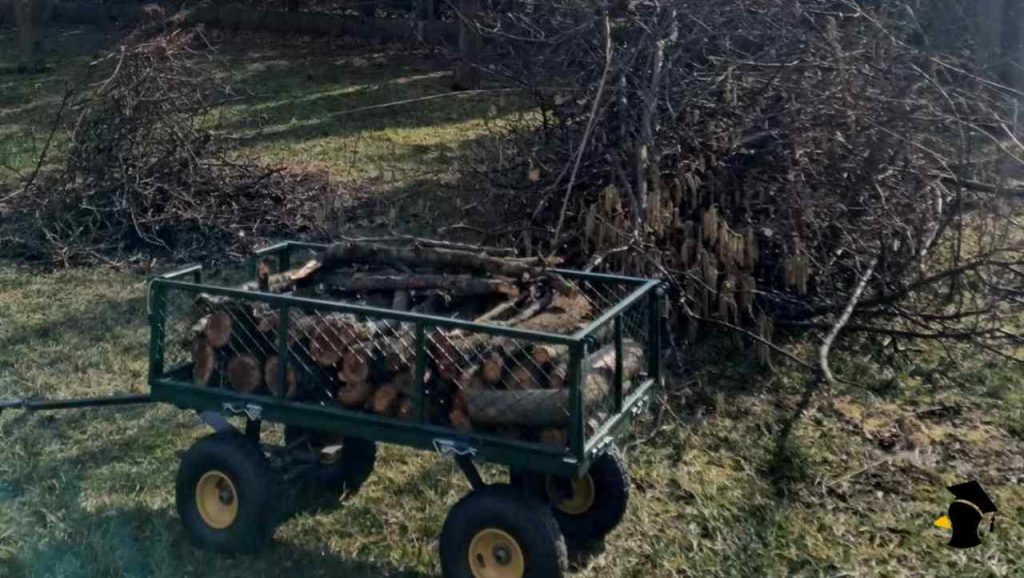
548, 408
554, 437
460, 421
406, 409
343, 253
354, 395
271, 369
203, 360
457, 284
245, 373
218, 328
354, 368
385, 400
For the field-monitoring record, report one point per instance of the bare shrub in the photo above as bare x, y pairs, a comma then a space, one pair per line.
769, 158
146, 171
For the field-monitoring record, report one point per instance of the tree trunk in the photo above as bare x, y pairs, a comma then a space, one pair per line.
467, 72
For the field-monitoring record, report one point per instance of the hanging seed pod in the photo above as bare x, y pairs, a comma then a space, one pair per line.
711, 225
692, 329
600, 235
590, 224
802, 272
723, 245
610, 200
675, 191
745, 292
727, 310
710, 272
751, 252
653, 211
688, 253
764, 331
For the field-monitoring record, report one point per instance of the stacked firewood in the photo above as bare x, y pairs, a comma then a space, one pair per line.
472, 381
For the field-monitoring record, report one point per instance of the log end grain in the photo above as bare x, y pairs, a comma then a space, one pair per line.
245, 373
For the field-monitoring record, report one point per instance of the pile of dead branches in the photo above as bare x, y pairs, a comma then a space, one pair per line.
778, 161
146, 171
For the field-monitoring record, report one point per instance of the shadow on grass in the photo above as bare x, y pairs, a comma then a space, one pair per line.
139, 542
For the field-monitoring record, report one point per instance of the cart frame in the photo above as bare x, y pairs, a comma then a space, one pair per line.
174, 386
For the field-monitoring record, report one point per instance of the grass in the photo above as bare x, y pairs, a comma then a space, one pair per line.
853, 493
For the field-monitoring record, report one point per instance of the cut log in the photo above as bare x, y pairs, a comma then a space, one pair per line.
521, 378
385, 400
549, 408
545, 355
271, 369
354, 368
554, 437
460, 421
491, 369
218, 329
203, 360
245, 373
340, 254
406, 409
557, 377
354, 395
455, 284
509, 433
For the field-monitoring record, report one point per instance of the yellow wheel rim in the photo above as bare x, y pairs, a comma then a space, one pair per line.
495, 554
582, 496
217, 500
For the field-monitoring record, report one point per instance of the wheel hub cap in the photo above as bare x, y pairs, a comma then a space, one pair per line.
493, 553
216, 500
581, 500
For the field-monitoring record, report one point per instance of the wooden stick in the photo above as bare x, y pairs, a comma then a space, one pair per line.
457, 284
344, 252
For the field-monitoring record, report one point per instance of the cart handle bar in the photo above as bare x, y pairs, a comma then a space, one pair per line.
77, 403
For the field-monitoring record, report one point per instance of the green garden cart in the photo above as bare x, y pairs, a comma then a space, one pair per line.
562, 492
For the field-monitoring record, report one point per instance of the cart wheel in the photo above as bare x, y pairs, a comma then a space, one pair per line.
345, 475
502, 532
223, 494
589, 508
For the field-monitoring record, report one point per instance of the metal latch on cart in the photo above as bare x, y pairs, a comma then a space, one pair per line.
251, 410
454, 448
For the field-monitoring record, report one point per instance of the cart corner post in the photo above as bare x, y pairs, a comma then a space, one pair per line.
656, 297
577, 432
419, 408
156, 305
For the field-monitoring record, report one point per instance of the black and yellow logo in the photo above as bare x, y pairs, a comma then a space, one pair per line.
966, 514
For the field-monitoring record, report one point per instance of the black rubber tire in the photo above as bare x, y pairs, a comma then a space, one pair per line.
611, 499
247, 469
347, 475
514, 511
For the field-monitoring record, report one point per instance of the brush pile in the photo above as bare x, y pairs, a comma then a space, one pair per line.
474, 381
762, 155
